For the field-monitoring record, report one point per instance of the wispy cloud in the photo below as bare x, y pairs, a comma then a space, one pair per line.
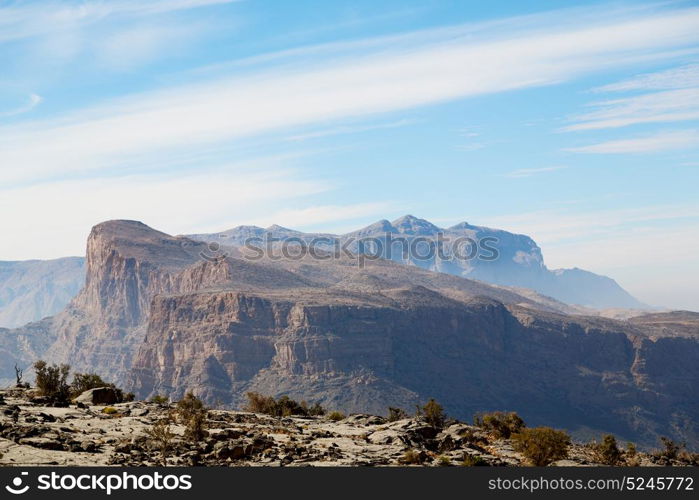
30, 19
32, 101
667, 106
528, 172
674, 78
349, 129
661, 141
367, 82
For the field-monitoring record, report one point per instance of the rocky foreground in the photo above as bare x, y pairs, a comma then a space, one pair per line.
126, 434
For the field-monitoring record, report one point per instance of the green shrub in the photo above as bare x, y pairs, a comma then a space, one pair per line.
607, 452
443, 461
52, 381
500, 424
670, 450
433, 413
158, 399
192, 413
473, 461
109, 410
314, 411
85, 381
161, 437
282, 407
395, 414
336, 416
541, 445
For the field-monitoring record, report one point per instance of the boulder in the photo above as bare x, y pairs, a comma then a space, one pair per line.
99, 396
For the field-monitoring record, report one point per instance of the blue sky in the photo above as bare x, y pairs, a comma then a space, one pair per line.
576, 123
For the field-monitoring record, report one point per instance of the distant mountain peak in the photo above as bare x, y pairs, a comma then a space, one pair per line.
409, 224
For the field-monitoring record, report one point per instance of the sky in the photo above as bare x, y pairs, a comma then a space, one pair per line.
576, 123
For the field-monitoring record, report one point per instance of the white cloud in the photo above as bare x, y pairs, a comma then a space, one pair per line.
528, 172
348, 129
60, 214
661, 141
387, 78
32, 101
30, 19
667, 106
675, 78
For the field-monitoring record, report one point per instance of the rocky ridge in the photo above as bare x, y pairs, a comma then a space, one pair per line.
32, 434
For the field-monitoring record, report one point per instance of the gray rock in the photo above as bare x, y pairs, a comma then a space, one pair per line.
99, 396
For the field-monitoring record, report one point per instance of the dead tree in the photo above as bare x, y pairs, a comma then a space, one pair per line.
18, 374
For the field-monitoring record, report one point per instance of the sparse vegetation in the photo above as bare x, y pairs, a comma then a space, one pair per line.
191, 412
432, 413
85, 381
473, 461
52, 381
336, 416
395, 414
443, 461
412, 457
671, 449
541, 445
607, 452
160, 400
109, 410
282, 407
500, 424
161, 438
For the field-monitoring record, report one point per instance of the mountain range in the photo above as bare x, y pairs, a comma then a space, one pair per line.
158, 316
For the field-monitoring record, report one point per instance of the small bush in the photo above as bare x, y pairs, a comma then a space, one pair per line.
433, 413
192, 413
500, 424
282, 407
336, 416
473, 461
128, 397
607, 452
631, 449
443, 461
670, 450
395, 414
85, 381
109, 410
412, 457
161, 438
158, 399
541, 445
314, 411
52, 381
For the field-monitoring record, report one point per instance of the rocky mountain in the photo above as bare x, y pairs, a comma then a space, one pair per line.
159, 315
475, 252
34, 289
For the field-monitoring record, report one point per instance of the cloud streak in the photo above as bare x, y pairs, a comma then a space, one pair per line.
31, 19
661, 141
528, 172
658, 107
380, 80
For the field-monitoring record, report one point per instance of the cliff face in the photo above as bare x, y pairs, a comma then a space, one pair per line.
156, 317
584, 375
